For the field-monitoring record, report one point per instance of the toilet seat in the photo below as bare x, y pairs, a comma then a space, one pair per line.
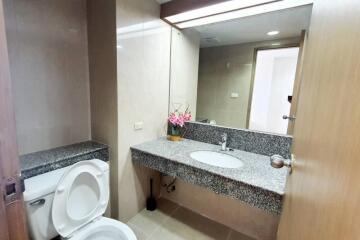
105, 229
81, 196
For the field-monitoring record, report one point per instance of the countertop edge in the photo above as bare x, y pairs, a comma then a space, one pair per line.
210, 172
255, 196
101, 152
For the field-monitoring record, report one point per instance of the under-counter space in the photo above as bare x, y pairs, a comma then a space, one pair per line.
36, 163
256, 183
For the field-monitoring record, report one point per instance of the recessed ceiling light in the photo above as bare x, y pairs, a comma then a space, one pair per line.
275, 44
245, 12
272, 33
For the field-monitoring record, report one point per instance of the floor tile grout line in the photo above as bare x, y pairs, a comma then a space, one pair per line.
163, 222
138, 229
229, 234
147, 236
171, 212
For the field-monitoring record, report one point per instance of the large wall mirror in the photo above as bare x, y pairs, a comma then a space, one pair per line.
241, 73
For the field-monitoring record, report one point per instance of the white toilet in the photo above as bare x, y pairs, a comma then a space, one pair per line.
70, 202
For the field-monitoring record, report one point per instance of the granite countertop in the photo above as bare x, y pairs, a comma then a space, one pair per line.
256, 183
36, 163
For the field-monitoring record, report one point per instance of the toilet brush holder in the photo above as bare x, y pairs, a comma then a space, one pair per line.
151, 202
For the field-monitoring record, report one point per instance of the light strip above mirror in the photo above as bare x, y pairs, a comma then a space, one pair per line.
244, 12
215, 9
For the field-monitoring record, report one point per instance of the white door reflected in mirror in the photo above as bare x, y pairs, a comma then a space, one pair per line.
273, 84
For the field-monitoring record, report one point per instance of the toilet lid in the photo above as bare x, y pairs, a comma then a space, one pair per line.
82, 195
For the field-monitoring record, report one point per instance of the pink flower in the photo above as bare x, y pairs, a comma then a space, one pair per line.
187, 116
177, 118
181, 121
173, 119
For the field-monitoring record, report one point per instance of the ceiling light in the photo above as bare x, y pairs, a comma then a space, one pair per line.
272, 33
275, 44
215, 9
246, 12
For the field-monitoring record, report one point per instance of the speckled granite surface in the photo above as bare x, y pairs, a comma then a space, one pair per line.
44, 161
242, 139
256, 183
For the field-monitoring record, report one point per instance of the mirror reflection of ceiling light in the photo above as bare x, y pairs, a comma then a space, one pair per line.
245, 12
139, 30
272, 33
215, 9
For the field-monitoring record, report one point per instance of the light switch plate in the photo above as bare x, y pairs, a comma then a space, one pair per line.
234, 95
138, 125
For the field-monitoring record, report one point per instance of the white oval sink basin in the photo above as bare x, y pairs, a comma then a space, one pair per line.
217, 159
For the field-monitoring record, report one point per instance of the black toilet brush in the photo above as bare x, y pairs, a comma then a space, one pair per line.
151, 202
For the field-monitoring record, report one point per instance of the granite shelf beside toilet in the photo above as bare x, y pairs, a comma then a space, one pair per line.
37, 163
255, 183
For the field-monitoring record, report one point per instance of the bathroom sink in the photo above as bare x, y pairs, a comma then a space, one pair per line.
217, 159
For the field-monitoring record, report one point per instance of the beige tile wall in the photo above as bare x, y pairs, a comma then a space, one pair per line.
233, 213
143, 53
103, 83
225, 70
47, 43
184, 69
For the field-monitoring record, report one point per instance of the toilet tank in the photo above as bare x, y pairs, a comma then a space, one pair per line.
38, 197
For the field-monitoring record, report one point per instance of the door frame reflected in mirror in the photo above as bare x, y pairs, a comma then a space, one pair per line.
255, 55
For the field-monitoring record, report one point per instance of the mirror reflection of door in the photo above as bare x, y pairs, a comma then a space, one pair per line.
272, 89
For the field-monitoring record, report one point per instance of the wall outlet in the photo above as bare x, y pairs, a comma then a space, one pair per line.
138, 125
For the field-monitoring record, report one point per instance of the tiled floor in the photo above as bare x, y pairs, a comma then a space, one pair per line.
172, 222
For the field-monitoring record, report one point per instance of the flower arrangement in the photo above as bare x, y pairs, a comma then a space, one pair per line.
177, 121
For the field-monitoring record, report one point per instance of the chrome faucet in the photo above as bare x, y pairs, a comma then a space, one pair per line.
223, 142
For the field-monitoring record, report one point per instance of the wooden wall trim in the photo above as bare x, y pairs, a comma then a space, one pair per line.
12, 213
297, 83
4, 233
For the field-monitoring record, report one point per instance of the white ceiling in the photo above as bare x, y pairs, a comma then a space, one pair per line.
289, 22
